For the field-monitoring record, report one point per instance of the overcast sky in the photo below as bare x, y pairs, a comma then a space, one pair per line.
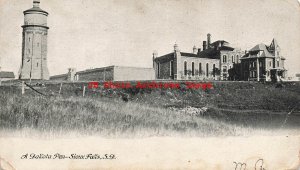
96, 33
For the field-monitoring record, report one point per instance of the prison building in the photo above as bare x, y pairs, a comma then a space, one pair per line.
212, 63
263, 63
110, 73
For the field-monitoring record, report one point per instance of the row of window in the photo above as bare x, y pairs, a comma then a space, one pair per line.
185, 68
199, 68
233, 59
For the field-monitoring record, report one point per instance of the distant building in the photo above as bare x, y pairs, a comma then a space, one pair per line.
212, 63
297, 77
110, 73
6, 75
34, 45
263, 63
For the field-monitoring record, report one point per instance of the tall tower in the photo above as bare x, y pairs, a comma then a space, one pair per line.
34, 44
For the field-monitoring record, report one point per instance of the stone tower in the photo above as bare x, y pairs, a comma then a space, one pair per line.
34, 44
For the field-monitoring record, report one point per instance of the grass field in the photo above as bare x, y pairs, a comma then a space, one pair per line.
229, 109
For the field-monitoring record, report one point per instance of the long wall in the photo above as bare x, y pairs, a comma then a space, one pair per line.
133, 73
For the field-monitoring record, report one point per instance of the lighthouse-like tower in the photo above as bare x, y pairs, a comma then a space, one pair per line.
34, 45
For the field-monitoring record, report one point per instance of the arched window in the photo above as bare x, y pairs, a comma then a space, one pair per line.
207, 69
224, 58
200, 68
171, 68
214, 70
185, 68
158, 70
193, 69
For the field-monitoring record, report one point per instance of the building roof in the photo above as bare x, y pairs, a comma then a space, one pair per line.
165, 58
35, 9
6, 74
260, 47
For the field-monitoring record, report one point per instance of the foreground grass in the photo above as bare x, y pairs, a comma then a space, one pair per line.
257, 108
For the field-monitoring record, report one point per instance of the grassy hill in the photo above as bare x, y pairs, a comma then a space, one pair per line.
229, 108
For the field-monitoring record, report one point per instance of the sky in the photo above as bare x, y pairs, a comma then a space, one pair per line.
95, 33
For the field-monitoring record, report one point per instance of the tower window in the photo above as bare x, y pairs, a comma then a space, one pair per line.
29, 39
37, 64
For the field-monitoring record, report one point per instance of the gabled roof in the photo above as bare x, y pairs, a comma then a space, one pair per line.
261, 47
6, 74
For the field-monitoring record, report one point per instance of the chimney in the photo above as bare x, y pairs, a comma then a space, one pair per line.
208, 40
36, 3
176, 48
199, 50
71, 74
155, 54
194, 49
204, 45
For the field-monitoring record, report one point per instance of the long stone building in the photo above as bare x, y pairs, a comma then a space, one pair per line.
110, 73
34, 45
211, 63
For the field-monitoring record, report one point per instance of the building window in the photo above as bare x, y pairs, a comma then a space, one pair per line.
224, 69
277, 63
171, 68
38, 44
193, 69
237, 59
37, 64
28, 51
224, 58
232, 59
29, 39
200, 68
185, 68
207, 69
270, 63
214, 70
158, 70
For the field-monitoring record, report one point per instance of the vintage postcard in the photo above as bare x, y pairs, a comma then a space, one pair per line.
149, 84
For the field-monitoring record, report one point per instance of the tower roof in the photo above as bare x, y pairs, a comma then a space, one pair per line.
35, 8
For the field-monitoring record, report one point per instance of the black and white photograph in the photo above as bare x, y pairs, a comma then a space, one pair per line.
150, 84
